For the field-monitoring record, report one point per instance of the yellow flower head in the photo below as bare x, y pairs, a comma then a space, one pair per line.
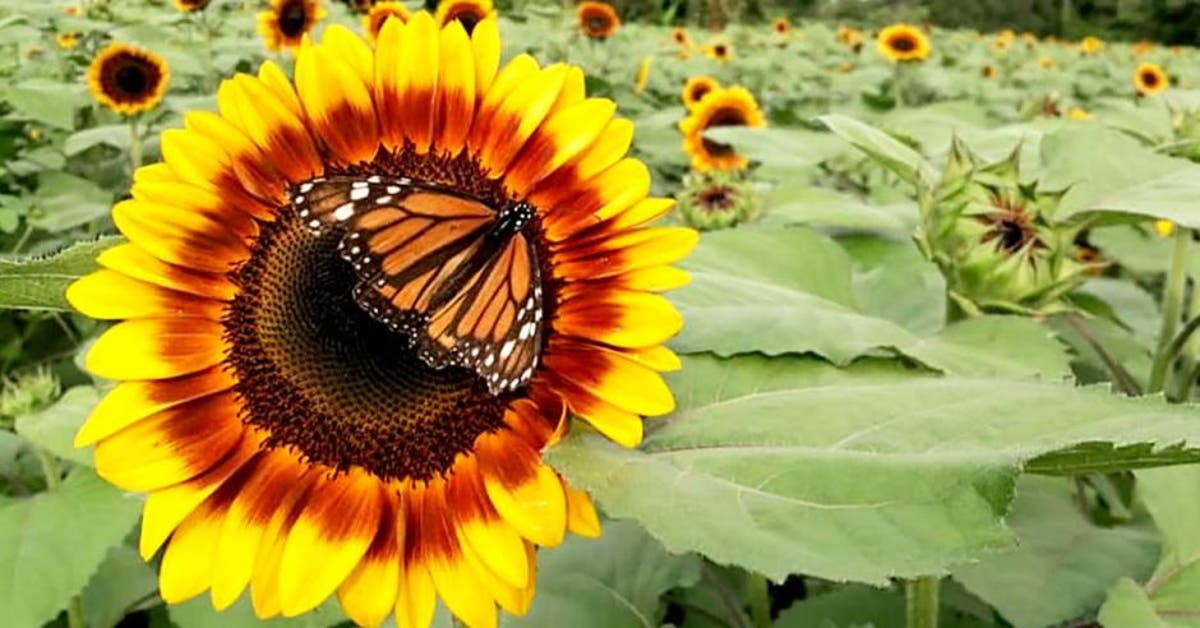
1091, 45
781, 26
465, 12
728, 106
67, 41
190, 6
1046, 62
285, 24
127, 79
721, 51
381, 12
1149, 79
696, 88
903, 42
597, 20
1078, 113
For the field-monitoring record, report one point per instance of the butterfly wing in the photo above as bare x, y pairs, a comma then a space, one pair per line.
459, 279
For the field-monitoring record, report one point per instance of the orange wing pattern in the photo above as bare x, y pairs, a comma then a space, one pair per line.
461, 280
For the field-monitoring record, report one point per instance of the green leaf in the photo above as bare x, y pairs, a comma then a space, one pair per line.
893, 154
63, 201
860, 605
199, 613
776, 291
794, 204
995, 346
1172, 594
1063, 563
855, 478
777, 148
47, 101
53, 428
615, 580
115, 135
124, 583
893, 281
39, 283
52, 543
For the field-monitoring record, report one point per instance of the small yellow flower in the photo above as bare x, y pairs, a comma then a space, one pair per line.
285, 24
720, 51
127, 79
1142, 48
852, 37
1078, 113
67, 41
696, 88
643, 74
1091, 45
988, 72
72, 10
1046, 62
381, 12
598, 20
903, 42
729, 106
782, 27
1164, 227
1149, 79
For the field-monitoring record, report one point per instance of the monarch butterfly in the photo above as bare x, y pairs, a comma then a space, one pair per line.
459, 278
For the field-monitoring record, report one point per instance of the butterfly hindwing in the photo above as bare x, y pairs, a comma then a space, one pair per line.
458, 278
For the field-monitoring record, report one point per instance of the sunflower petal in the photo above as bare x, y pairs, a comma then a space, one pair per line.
156, 349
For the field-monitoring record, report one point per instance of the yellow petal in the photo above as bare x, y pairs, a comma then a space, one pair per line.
156, 349
537, 508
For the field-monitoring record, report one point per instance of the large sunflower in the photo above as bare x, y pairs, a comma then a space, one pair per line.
696, 88
467, 12
1149, 79
286, 23
380, 13
730, 106
597, 20
903, 42
292, 436
127, 79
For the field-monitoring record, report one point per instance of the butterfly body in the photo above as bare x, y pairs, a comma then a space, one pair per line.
458, 278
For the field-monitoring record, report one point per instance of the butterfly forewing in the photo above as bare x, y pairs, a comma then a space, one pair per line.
458, 278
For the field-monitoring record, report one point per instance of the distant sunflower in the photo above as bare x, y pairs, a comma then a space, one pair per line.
597, 20
1149, 79
190, 6
903, 42
1142, 48
681, 37
380, 13
1091, 45
286, 23
361, 6
720, 51
127, 79
782, 26
730, 106
1079, 113
67, 41
1046, 62
696, 88
465, 12
72, 10
852, 37
988, 72
297, 440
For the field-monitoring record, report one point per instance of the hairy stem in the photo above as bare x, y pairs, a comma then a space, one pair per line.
922, 597
1171, 309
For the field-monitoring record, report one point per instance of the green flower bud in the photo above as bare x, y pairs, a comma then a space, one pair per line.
26, 392
717, 200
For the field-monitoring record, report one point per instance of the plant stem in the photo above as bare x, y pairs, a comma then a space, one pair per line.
135, 144
898, 83
922, 597
75, 613
1171, 310
53, 472
760, 601
206, 32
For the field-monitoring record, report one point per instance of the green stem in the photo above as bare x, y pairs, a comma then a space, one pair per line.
53, 472
760, 600
922, 597
210, 76
23, 238
898, 84
135, 144
1171, 310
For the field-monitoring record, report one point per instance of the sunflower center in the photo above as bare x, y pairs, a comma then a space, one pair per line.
699, 91
1149, 79
131, 79
468, 16
322, 377
720, 50
292, 19
722, 117
716, 199
903, 44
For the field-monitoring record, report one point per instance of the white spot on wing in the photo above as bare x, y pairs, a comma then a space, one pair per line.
343, 212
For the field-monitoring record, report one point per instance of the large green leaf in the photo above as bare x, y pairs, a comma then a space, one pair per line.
1171, 597
39, 283
53, 428
52, 543
779, 149
1063, 563
64, 201
893, 154
858, 477
995, 346
791, 204
615, 580
861, 606
124, 583
893, 281
47, 101
199, 613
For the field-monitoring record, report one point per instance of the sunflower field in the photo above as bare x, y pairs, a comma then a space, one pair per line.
708, 313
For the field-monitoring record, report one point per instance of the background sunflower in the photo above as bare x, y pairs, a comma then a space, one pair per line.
127, 79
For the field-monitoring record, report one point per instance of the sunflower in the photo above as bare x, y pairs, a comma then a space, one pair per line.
1149, 79
1091, 45
852, 37
988, 72
1046, 62
67, 41
903, 42
1142, 48
720, 51
782, 27
730, 106
379, 14
466, 12
127, 79
1079, 113
286, 23
361, 6
681, 38
189, 6
72, 10
597, 20
696, 88
291, 436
